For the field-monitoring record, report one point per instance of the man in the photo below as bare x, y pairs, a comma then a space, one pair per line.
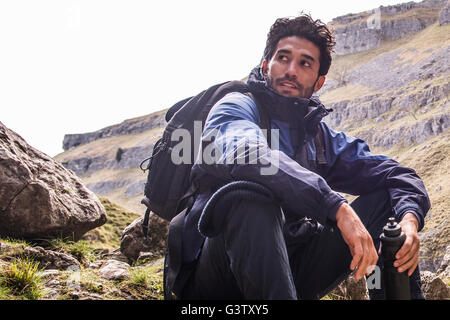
306, 240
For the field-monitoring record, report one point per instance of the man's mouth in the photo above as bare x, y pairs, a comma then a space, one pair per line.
288, 85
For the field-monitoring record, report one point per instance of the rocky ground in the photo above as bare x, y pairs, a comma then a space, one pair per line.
102, 266
90, 269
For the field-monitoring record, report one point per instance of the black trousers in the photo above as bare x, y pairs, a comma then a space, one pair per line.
253, 259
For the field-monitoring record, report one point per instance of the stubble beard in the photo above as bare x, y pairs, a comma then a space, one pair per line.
305, 93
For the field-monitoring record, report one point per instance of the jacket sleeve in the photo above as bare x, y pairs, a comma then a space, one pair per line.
355, 170
234, 148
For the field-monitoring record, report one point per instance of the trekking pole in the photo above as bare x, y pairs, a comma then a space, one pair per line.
396, 284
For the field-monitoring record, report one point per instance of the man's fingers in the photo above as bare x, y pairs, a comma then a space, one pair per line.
406, 247
372, 256
357, 238
414, 266
365, 258
407, 252
357, 254
410, 265
374, 260
408, 261
407, 257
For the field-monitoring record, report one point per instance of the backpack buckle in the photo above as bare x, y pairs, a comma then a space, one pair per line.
146, 219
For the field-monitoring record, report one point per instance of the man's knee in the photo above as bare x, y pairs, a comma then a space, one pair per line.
255, 215
239, 203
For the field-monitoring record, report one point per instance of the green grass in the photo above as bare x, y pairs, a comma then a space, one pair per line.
334, 296
21, 280
140, 277
108, 236
80, 250
5, 293
104, 238
15, 242
145, 282
10, 248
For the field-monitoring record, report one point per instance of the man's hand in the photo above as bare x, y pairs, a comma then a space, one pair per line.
407, 258
358, 240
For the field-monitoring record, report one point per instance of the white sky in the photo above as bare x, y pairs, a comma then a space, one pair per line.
73, 66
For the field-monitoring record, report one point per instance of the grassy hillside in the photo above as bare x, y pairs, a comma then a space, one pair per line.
119, 195
108, 235
108, 146
431, 161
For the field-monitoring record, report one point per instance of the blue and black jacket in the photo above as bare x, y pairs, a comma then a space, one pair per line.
304, 186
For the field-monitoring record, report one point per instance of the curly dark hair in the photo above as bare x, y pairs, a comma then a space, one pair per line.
302, 26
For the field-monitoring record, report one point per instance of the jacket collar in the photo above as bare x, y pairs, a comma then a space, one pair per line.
311, 110
258, 85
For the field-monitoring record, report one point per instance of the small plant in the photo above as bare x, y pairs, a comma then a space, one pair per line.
21, 279
66, 191
144, 283
79, 249
140, 277
95, 287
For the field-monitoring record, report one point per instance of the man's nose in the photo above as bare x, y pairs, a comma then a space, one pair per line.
291, 70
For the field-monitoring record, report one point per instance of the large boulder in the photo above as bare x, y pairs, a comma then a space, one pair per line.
39, 198
434, 287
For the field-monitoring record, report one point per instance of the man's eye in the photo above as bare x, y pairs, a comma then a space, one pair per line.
305, 63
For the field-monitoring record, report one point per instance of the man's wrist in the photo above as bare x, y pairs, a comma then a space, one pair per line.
343, 212
410, 217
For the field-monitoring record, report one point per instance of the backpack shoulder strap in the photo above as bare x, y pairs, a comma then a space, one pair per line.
264, 119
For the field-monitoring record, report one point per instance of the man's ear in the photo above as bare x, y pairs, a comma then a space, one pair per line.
319, 83
264, 68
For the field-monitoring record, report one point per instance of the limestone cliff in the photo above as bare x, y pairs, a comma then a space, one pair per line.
367, 30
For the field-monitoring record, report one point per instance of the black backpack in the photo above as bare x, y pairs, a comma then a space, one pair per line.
168, 184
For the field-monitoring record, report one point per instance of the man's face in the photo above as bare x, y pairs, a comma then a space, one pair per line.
294, 68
